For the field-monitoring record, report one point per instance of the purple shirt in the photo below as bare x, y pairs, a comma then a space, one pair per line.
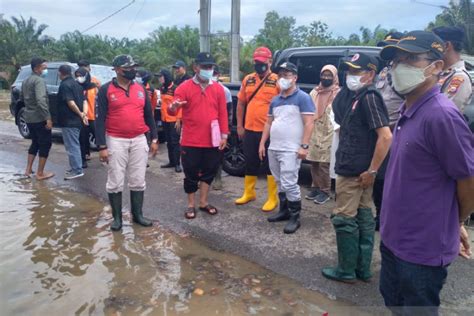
432, 147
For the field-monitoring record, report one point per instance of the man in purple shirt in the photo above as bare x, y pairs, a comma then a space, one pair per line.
429, 181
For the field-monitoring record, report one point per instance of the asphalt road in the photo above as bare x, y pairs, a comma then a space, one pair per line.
244, 230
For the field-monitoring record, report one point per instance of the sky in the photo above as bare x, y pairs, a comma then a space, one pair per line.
142, 17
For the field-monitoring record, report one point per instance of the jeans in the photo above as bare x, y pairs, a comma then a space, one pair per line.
285, 167
73, 148
409, 288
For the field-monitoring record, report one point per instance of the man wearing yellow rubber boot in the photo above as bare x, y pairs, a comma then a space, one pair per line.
255, 95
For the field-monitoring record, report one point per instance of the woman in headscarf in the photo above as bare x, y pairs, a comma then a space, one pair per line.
91, 89
322, 137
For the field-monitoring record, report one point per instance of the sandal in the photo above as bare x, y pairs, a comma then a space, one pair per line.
190, 213
209, 209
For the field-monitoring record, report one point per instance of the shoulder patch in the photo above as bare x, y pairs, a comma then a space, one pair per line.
454, 85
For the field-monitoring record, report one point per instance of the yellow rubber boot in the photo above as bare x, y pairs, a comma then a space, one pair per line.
272, 200
249, 190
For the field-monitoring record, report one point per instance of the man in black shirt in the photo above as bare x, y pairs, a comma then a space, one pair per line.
71, 103
365, 139
180, 74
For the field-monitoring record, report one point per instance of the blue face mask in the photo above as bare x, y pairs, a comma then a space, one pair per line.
44, 73
206, 74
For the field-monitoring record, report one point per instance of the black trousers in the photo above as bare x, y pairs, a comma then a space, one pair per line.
40, 139
199, 164
84, 139
172, 142
254, 166
377, 195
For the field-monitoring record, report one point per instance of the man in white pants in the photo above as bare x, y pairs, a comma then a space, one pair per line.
289, 125
124, 115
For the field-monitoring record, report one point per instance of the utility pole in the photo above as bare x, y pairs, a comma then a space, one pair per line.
235, 42
205, 26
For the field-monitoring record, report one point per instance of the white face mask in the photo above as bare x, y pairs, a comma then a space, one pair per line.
81, 79
406, 78
139, 80
284, 83
353, 82
215, 78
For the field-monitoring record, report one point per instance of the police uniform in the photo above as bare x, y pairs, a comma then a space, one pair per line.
457, 85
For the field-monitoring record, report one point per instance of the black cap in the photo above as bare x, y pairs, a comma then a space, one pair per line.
204, 59
179, 64
450, 33
287, 66
124, 61
36, 61
390, 38
361, 61
415, 42
83, 63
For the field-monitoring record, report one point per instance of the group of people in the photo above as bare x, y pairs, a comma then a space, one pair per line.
395, 138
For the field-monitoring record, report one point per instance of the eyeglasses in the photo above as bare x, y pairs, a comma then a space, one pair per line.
409, 59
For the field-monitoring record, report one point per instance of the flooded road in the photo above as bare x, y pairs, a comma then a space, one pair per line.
58, 257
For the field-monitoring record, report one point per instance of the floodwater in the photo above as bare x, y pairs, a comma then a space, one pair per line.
58, 257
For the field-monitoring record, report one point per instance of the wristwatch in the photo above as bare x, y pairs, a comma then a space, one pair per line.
373, 173
304, 146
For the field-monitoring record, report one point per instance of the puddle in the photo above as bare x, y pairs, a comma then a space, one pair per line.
58, 257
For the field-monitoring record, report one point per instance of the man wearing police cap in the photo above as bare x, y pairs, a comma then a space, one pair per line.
455, 81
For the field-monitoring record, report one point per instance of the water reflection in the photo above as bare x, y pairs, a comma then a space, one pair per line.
58, 257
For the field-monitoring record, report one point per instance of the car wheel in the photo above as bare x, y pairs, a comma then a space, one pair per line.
22, 126
234, 159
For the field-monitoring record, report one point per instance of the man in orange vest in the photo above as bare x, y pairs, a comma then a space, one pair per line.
255, 95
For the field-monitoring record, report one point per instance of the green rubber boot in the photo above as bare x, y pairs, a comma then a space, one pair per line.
136, 201
115, 200
347, 238
366, 222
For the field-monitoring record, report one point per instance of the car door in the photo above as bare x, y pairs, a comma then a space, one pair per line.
52, 86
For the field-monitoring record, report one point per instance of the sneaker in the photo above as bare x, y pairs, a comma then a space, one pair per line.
313, 194
321, 198
71, 176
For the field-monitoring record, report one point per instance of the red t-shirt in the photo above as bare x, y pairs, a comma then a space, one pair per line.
203, 106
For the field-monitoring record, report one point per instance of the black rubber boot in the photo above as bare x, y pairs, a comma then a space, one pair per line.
115, 200
283, 214
136, 201
366, 223
294, 223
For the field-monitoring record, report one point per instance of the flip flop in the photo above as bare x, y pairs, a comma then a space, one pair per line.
190, 213
209, 209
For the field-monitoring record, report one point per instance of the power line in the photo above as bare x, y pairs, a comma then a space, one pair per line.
108, 17
429, 4
135, 18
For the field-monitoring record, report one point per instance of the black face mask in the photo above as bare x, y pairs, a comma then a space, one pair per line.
260, 68
326, 82
129, 74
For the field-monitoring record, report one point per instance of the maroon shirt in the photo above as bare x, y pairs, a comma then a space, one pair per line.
432, 147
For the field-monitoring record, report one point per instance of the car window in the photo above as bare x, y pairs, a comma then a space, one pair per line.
309, 67
25, 72
103, 73
51, 78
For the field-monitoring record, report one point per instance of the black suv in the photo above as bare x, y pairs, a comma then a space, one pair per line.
103, 73
310, 61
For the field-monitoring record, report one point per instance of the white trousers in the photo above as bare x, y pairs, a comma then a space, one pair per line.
127, 154
285, 167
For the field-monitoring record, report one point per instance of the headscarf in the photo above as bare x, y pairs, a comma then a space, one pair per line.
168, 79
324, 96
83, 72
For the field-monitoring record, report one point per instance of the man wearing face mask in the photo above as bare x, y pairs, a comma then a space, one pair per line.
180, 74
71, 118
429, 181
289, 127
455, 82
37, 117
364, 142
124, 115
204, 131
255, 95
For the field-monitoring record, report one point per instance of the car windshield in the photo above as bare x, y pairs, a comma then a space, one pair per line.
103, 73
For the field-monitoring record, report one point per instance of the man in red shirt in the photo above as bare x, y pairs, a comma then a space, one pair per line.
204, 131
124, 115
